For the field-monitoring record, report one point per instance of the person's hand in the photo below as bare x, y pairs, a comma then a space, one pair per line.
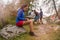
27, 19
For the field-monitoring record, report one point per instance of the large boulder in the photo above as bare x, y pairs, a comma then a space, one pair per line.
10, 31
57, 21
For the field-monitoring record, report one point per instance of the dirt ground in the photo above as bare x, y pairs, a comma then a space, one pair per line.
46, 32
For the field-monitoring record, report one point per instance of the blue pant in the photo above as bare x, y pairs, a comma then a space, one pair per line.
36, 18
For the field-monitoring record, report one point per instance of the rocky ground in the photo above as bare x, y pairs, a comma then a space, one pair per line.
47, 32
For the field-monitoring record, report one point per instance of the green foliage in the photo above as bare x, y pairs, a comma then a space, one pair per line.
1, 38
23, 37
11, 20
0, 25
55, 35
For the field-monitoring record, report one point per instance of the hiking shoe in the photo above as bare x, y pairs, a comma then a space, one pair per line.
32, 33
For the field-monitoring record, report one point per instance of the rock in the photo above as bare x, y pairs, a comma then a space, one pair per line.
30, 17
44, 21
56, 28
10, 31
57, 21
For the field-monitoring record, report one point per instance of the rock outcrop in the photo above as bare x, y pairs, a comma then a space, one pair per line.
10, 31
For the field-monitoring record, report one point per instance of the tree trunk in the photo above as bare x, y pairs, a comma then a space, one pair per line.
55, 9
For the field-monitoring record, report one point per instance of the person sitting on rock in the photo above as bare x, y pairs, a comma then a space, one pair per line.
21, 20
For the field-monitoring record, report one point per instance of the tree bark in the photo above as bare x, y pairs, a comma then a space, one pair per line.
55, 9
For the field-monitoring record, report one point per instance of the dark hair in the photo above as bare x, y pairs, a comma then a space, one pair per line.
24, 5
36, 13
40, 9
